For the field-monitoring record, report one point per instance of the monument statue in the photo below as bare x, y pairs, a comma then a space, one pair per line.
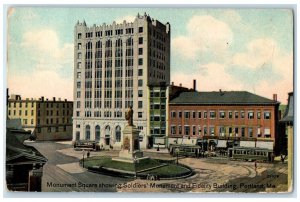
129, 116
130, 151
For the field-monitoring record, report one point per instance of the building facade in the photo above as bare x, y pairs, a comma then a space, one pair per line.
222, 116
46, 119
114, 65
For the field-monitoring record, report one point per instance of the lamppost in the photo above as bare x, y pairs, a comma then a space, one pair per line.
83, 153
177, 153
134, 161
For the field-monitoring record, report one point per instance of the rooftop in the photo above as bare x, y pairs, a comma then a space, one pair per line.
221, 97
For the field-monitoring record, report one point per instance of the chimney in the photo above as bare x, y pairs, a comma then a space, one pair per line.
53, 99
65, 100
172, 83
275, 97
180, 85
194, 84
42, 98
59, 99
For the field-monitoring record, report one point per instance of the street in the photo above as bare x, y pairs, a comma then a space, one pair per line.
62, 173
64, 170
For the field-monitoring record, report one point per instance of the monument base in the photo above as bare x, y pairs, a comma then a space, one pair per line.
130, 157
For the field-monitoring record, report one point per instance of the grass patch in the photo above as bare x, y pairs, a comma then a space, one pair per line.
170, 169
106, 161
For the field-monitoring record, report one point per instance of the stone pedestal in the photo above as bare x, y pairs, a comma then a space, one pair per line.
130, 150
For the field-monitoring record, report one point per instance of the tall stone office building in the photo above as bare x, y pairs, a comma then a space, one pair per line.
117, 66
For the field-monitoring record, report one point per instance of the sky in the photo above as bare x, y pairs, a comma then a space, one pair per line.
228, 49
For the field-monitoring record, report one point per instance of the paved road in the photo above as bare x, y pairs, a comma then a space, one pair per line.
60, 170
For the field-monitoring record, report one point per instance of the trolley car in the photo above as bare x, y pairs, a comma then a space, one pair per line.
250, 154
185, 150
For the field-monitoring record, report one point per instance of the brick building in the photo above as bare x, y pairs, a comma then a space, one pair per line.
46, 119
221, 116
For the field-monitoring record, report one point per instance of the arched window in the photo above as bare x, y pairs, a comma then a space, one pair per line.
107, 131
87, 132
77, 135
97, 133
118, 134
107, 135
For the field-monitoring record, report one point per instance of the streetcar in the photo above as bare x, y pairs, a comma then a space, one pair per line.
251, 154
184, 150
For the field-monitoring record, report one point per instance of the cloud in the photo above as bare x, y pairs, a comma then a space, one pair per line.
264, 68
45, 83
128, 18
49, 65
44, 47
204, 34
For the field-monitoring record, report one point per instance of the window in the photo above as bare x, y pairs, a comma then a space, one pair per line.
199, 130
250, 132
187, 115
140, 29
194, 115
236, 131
56, 129
258, 132
267, 132
78, 84
242, 114
173, 130
250, 115
222, 115
187, 130
140, 93
205, 115
173, 114
140, 82
140, 51
140, 72
221, 131
77, 113
79, 56
25, 112
78, 75
199, 115
212, 114
118, 134
243, 132
31, 121
79, 46
39, 130
236, 115
258, 115
20, 112
79, 65
230, 115
32, 112
140, 104
140, 40
179, 114
140, 114
267, 115
140, 61
212, 130
79, 35
205, 130
194, 130
87, 132
49, 129
180, 130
